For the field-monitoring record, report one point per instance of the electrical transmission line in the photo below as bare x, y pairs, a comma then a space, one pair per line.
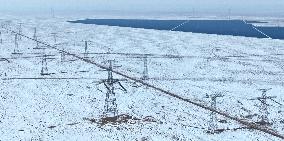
166, 92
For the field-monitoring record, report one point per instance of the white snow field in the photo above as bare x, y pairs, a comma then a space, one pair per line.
56, 109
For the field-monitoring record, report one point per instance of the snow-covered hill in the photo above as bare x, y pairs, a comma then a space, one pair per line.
56, 109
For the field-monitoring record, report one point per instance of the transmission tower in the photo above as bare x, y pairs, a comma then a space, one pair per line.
263, 108
16, 49
54, 37
52, 13
145, 71
193, 12
213, 126
44, 70
35, 38
86, 50
1, 40
62, 53
229, 13
110, 107
20, 30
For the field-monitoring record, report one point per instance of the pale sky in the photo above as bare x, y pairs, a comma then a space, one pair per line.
250, 7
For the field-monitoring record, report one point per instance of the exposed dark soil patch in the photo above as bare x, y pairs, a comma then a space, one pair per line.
51, 127
123, 118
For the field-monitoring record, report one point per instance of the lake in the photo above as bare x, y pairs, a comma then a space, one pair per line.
220, 27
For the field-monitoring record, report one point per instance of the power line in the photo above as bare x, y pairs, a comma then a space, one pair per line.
166, 92
254, 27
179, 25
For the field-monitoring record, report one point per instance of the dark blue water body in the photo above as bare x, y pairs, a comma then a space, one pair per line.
273, 32
220, 27
134, 23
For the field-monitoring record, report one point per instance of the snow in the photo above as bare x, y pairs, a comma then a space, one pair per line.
234, 66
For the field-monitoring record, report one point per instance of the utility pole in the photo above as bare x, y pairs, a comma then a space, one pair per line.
263, 108
145, 71
213, 122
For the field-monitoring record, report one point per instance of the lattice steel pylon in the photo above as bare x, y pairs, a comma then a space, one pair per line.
145, 71
229, 13
52, 13
35, 37
1, 40
16, 49
212, 125
63, 55
86, 50
44, 70
20, 31
54, 37
110, 108
263, 108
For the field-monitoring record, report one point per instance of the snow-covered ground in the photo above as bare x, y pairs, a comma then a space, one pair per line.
52, 109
